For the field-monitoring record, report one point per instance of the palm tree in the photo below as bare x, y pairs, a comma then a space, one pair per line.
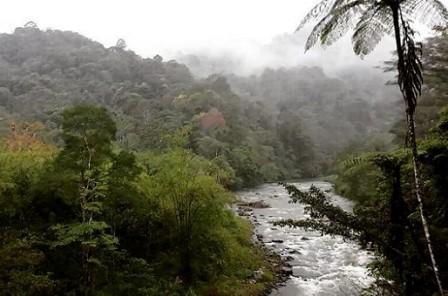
371, 20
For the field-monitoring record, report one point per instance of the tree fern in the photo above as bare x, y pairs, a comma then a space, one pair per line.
372, 20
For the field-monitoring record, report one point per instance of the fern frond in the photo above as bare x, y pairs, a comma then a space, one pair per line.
431, 13
322, 8
316, 32
356, 160
371, 28
336, 23
344, 19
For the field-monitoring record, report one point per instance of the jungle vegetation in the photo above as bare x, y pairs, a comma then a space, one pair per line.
91, 218
403, 191
117, 170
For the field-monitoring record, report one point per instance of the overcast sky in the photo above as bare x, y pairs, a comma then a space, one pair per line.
166, 27
150, 26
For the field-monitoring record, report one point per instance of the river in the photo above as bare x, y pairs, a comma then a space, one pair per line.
321, 265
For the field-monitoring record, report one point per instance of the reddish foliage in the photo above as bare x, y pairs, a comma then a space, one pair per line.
24, 138
212, 118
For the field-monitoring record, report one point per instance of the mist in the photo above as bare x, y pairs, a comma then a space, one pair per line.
194, 148
249, 36
285, 50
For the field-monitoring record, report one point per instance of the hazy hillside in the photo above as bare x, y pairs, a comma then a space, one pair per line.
337, 111
289, 122
243, 167
42, 72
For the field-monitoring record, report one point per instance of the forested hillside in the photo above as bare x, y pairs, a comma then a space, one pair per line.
117, 170
42, 72
280, 124
192, 148
333, 112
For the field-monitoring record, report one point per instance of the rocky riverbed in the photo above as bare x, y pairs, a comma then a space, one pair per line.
315, 265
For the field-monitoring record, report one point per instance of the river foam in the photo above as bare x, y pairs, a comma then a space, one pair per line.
321, 265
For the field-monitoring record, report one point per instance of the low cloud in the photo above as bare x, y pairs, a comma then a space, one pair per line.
285, 50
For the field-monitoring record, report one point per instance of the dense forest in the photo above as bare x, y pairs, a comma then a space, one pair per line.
282, 124
117, 172
333, 112
386, 215
90, 218
42, 72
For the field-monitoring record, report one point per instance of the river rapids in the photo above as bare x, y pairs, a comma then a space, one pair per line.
321, 265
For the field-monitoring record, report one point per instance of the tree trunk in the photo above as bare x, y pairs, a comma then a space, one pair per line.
413, 143
418, 194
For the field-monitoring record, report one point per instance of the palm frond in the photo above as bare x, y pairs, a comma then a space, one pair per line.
431, 13
336, 23
371, 28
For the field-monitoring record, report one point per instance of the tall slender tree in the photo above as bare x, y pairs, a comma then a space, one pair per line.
371, 20
88, 132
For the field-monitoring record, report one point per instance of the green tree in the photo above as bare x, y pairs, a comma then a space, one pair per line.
386, 214
194, 202
374, 19
22, 259
88, 133
434, 95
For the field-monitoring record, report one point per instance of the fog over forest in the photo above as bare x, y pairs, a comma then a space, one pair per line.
286, 50
281, 74
194, 148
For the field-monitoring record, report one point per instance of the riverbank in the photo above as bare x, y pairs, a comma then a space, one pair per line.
265, 275
279, 268
275, 270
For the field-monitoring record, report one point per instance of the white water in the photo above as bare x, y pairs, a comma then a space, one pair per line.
321, 265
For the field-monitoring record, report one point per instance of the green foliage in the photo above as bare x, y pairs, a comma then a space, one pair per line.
71, 220
21, 271
324, 216
317, 116
386, 214
356, 178
204, 241
87, 133
90, 235
150, 100
20, 265
193, 203
433, 97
